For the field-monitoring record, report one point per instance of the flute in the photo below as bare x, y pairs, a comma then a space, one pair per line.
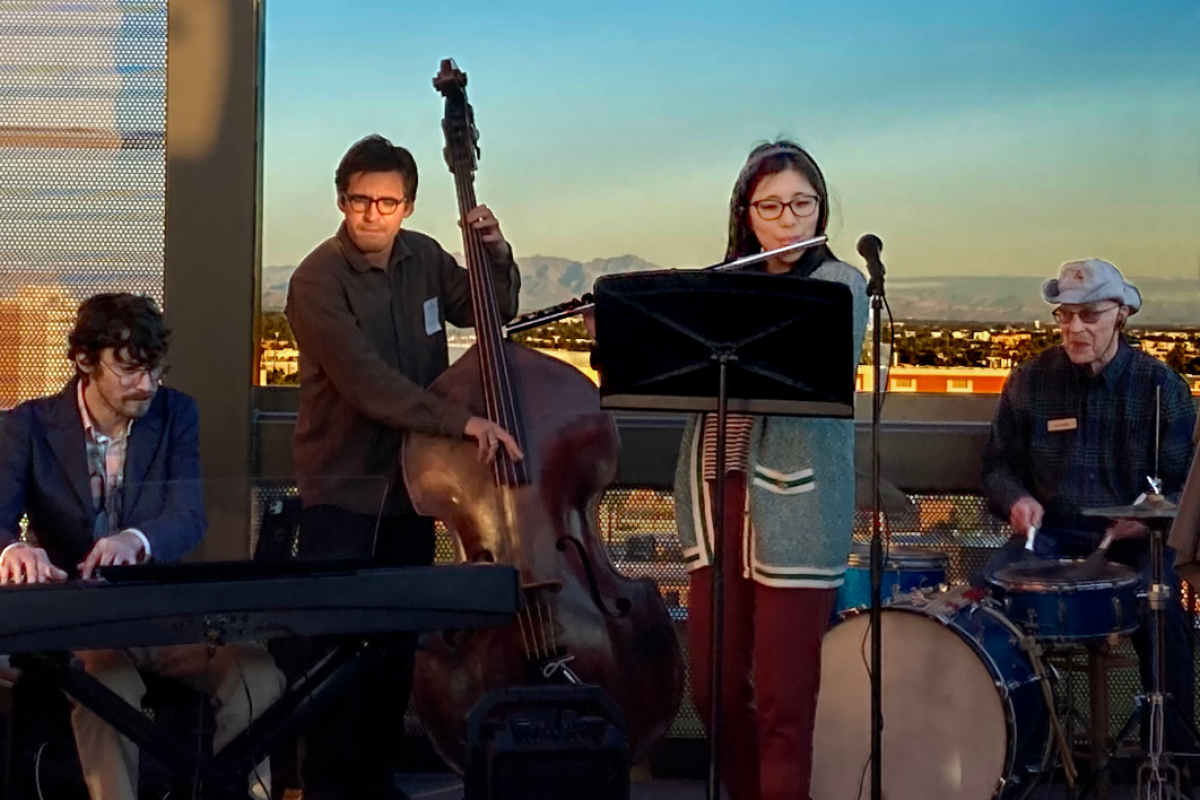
580, 304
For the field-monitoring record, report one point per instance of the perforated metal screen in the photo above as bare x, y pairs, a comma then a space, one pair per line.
638, 525
82, 172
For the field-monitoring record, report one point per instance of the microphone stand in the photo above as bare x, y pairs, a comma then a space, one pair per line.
869, 247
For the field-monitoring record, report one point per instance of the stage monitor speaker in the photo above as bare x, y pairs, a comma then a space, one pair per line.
546, 743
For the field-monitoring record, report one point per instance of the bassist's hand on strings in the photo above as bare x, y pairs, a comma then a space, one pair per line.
490, 436
484, 221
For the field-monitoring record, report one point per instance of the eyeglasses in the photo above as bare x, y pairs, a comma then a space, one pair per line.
129, 375
1088, 316
384, 205
802, 206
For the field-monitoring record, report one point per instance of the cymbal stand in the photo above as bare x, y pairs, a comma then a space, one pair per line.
1157, 779
1152, 774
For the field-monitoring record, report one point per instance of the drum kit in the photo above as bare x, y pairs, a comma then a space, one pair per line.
968, 701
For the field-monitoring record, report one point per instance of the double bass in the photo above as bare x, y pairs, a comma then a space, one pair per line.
582, 620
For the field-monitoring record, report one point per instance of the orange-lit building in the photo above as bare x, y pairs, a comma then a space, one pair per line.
33, 342
936, 380
952, 380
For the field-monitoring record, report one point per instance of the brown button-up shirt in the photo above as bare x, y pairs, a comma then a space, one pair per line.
371, 342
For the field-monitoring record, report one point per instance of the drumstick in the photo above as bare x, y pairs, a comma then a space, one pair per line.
1095, 562
1030, 535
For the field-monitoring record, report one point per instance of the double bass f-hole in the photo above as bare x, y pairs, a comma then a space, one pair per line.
623, 603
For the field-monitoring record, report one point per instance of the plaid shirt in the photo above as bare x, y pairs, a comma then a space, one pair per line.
1074, 441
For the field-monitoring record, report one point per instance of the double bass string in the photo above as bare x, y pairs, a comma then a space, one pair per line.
505, 402
521, 619
471, 245
539, 641
486, 323
542, 627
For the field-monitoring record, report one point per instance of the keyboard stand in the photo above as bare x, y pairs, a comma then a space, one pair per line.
225, 774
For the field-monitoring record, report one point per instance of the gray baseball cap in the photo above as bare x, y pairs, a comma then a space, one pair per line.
1090, 281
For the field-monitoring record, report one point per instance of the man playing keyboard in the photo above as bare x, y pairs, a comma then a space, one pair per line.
107, 472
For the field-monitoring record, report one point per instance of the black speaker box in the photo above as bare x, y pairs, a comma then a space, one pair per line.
546, 743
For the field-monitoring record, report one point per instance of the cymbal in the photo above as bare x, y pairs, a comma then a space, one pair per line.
894, 500
1154, 507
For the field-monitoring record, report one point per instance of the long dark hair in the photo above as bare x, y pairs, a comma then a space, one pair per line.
765, 160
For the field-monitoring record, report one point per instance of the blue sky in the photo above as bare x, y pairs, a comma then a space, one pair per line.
975, 138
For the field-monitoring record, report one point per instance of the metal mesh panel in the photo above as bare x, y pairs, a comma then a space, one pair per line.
82, 172
959, 525
638, 526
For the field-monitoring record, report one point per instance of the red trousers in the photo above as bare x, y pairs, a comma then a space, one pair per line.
771, 669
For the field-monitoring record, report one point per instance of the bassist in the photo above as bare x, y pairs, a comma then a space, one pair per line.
368, 308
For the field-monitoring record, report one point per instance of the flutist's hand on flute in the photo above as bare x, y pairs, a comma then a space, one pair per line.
589, 321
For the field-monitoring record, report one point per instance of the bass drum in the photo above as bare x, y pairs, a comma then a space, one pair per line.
963, 709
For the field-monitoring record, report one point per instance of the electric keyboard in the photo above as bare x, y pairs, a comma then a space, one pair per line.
183, 603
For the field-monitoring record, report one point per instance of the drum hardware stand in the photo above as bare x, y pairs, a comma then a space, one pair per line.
1034, 649
1156, 779
869, 247
1152, 776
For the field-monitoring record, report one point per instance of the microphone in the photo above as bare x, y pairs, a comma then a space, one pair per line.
869, 247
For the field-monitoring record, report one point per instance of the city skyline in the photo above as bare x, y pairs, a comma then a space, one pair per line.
1008, 137
548, 281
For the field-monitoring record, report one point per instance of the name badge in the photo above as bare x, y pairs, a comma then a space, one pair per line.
433, 322
1056, 425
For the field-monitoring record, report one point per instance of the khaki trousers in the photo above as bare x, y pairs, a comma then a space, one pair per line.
240, 679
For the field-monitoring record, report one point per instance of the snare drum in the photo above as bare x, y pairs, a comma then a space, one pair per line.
1048, 599
904, 569
965, 717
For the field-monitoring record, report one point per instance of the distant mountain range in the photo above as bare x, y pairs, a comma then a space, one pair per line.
549, 280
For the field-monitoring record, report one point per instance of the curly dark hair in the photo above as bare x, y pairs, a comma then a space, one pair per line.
771, 158
376, 154
129, 323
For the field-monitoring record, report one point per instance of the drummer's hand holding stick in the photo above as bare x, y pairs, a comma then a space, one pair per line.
1126, 529
1026, 515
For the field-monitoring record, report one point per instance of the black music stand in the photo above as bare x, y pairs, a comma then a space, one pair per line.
703, 341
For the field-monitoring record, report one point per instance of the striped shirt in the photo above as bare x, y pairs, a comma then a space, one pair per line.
737, 443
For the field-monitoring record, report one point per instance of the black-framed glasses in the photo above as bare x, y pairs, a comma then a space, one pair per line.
130, 375
384, 205
802, 206
1088, 316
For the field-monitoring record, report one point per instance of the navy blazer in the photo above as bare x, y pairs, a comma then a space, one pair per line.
44, 474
